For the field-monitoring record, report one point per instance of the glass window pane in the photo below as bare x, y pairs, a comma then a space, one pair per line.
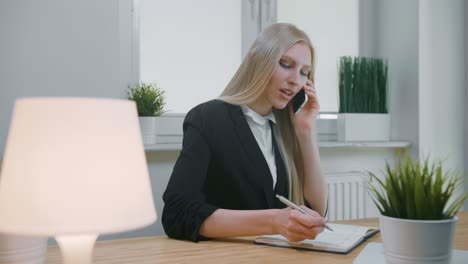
190, 48
333, 27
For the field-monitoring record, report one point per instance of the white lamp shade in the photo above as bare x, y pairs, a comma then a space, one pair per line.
74, 166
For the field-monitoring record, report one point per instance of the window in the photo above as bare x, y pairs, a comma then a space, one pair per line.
190, 48
193, 48
333, 29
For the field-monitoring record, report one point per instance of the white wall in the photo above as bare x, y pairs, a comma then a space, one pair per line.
191, 52
397, 40
466, 100
368, 27
71, 48
333, 27
59, 48
428, 73
442, 81
424, 42
389, 29
75, 48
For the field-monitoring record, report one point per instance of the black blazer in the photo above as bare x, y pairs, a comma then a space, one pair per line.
220, 166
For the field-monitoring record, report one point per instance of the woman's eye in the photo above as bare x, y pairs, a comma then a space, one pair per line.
284, 65
304, 73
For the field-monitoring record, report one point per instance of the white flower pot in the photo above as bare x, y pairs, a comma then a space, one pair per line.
148, 127
363, 127
22, 249
417, 241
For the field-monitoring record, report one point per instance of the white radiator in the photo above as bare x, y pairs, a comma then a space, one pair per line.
346, 196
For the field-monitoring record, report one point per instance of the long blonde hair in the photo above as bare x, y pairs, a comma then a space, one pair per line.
251, 79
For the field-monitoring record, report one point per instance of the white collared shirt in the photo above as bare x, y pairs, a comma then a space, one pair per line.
262, 132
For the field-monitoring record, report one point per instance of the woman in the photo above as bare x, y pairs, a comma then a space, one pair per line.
232, 163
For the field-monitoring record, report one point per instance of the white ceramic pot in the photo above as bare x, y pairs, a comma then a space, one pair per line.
417, 241
148, 127
363, 127
22, 249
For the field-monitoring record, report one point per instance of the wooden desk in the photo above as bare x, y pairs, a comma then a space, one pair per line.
235, 250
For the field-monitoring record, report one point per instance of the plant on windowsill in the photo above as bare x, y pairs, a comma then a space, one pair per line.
418, 206
363, 86
150, 102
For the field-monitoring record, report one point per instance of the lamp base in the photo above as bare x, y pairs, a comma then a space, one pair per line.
77, 249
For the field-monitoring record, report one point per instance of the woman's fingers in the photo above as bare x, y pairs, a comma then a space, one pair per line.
311, 233
301, 226
306, 220
310, 89
296, 226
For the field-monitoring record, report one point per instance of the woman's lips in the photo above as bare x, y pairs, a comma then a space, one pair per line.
286, 93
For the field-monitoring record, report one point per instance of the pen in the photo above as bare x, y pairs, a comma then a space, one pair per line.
294, 206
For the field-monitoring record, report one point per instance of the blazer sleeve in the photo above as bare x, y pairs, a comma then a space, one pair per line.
185, 206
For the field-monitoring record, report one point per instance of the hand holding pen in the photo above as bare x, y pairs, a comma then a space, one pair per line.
294, 206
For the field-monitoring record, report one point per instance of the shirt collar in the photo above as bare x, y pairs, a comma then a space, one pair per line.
256, 117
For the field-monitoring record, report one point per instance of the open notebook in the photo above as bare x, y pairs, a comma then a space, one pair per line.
341, 241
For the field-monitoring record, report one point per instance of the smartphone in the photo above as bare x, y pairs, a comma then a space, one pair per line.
299, 100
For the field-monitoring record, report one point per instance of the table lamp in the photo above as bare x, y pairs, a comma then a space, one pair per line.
74, 168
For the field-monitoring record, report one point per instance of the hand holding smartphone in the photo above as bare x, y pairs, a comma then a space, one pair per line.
299, 100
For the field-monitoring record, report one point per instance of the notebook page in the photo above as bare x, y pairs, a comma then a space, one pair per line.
344, 236
358, 230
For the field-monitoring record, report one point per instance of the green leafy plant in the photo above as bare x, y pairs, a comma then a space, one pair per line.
416, 191
149, 98
363, 85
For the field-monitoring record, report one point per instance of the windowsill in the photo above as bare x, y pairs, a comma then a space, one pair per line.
365, 144
170, 136
322, 144
163, 147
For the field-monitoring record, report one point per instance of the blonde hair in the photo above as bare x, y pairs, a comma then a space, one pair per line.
251, 79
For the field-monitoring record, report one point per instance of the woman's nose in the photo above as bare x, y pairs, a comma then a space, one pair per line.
295, 78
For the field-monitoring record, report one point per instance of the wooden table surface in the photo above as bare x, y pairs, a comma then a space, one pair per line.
161, 249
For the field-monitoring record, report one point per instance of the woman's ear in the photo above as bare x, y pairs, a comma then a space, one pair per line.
250, 53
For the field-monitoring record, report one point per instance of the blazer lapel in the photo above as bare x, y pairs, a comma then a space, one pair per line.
261, 175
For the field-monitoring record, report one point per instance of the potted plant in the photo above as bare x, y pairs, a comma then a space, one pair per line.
363, 113
418, 207
150, 102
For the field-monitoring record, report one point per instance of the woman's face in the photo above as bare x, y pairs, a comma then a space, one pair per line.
289, 76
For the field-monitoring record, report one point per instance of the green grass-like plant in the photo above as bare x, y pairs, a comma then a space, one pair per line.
363, 85
149, 98
416, 191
